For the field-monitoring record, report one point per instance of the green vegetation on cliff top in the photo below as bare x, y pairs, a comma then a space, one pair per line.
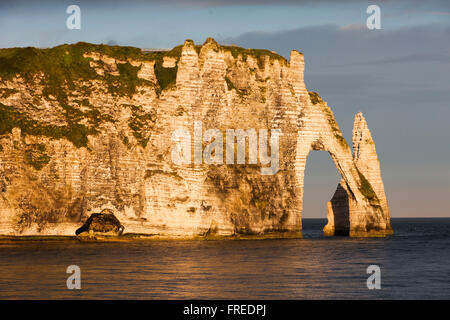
59, 70
259, 54
62, 66
64, 71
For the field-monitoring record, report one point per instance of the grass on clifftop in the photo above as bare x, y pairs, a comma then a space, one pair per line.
64, 71
59, 70
259, 54
62, 66
166, 76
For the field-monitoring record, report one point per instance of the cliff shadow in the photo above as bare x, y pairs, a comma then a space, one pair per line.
341, 210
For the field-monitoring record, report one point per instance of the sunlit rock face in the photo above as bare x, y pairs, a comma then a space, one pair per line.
89, 127
346, 216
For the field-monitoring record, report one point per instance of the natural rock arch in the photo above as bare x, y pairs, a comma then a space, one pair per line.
357, 208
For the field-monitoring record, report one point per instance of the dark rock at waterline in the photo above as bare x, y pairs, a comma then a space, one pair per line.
104, 222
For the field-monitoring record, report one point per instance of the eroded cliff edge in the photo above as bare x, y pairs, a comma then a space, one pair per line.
85, 127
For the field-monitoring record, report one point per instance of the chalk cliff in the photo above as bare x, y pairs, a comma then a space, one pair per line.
89, 127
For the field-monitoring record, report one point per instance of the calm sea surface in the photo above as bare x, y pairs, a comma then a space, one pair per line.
415, 264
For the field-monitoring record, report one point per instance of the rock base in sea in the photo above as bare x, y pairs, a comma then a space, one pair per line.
103, 224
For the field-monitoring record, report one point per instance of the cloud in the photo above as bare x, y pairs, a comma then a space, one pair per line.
333, 45
418, 57
183, 3
438, 5
353, 27
411, 12
440, 13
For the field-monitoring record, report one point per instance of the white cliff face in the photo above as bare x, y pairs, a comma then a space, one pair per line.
369, 216
103, 139
366, 160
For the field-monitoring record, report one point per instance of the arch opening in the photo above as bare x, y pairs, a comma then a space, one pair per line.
320, 180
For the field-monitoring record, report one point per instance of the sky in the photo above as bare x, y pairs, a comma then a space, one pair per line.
398, 76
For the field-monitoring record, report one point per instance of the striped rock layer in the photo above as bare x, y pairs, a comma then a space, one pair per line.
85, 128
